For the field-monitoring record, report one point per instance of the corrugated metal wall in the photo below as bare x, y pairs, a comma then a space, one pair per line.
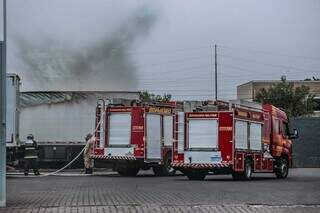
306, 149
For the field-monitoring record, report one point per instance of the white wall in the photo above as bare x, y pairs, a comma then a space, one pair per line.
63, 122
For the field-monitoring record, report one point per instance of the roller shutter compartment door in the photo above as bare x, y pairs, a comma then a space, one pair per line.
153, 136
168, 130
255, 136
203, 134
241, 135
119, 129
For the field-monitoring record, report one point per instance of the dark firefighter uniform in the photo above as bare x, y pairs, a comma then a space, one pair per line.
30, 148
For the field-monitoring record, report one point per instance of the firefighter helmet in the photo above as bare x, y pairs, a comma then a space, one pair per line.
30, 137
88, 136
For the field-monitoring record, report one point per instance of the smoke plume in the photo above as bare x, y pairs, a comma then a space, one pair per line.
102, 64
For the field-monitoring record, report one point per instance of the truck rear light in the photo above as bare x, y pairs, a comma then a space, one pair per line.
178, 158
138, 151
228, 157
98, 151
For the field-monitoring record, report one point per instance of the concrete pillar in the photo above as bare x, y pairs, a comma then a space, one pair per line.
2, 128
3, 77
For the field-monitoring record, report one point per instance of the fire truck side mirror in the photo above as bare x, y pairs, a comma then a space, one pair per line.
295, 134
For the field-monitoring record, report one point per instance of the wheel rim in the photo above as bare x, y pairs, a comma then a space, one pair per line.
284, 169
248, 170
168, 166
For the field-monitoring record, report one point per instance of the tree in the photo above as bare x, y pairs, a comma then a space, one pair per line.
295, 101
150, 97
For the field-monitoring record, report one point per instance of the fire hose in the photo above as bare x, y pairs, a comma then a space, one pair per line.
74, 159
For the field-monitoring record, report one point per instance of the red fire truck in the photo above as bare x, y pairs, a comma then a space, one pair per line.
135, 136
238, 138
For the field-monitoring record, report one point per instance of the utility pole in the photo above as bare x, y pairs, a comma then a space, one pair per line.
3, 75
216, 72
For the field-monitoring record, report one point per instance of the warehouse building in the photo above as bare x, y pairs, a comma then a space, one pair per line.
59, 120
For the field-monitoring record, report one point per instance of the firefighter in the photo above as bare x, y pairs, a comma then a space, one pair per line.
88, 162
30, 149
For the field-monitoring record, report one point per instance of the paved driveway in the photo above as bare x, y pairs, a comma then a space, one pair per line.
300, 192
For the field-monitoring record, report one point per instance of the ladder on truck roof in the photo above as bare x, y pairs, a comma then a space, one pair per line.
100, 124
179, 123
131, 102
254, 106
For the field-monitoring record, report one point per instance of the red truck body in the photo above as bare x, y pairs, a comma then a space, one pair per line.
240, 141
135, 137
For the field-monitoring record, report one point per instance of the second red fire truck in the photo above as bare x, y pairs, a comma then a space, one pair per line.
238, 139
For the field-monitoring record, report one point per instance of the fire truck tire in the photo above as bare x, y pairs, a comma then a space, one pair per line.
283, 169
128, 172
166, 169
246, 174
196, 175
236, 176
158, 170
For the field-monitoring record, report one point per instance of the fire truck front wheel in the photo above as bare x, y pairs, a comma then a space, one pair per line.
128, 172
282, 169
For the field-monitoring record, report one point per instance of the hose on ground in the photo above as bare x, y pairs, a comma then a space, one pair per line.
74, 159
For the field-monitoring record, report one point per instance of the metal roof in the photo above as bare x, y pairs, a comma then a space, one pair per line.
34, 98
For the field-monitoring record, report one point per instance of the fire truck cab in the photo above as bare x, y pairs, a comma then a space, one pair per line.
237, 138
133, 136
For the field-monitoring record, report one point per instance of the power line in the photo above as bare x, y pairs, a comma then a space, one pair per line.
183, 70
187, 49
193, 69
254, 71
272, 53
169, 50
198, 77
266, 64
183, 82
175, 61
180, 70
165, 51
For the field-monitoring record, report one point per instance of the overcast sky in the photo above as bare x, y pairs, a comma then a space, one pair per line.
163, 46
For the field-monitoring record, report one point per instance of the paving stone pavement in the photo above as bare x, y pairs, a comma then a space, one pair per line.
147, 193
165, 209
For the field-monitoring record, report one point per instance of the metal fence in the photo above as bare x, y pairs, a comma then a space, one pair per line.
306, 149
